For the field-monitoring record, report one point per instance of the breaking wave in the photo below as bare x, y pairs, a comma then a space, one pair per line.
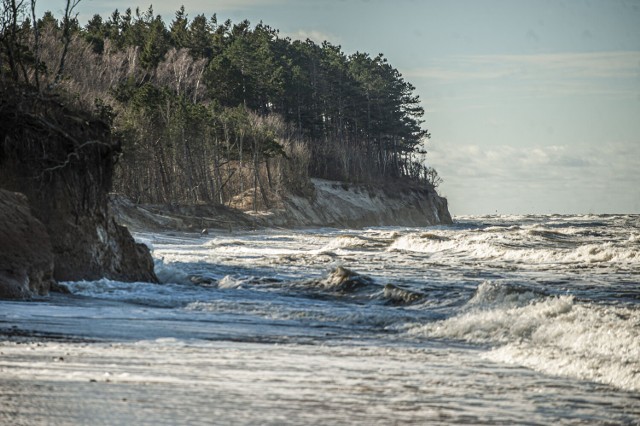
552, 334
521, 246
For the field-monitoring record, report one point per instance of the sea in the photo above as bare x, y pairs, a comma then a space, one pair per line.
492, 320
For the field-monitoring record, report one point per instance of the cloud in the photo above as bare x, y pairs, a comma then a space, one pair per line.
166, 9
544, 179
613, 165
225, 5
611, 74
456, 74
314, 35
624, 64
620, 64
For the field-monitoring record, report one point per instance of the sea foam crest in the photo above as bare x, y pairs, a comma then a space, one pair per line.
101, 287
490, 294
349, 242
169, 274
490, 246
606, 252
229, 282
169, 295
478, 246
555, 335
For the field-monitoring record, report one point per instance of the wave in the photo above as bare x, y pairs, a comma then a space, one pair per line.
313, 313
519, 248
168, 274
343, 242
554, 335
499, 228
229, 282
141, 293
352, 242
547, 233
490, 294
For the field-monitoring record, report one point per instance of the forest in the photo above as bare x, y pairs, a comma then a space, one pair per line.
221, 112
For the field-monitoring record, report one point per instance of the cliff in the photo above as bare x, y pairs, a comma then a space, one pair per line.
26, 258
62, 160
332, 204
338, 204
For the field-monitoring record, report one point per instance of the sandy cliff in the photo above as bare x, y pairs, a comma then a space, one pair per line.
333, 204
352, 205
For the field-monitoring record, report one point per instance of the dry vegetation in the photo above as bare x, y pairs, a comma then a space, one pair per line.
222, 113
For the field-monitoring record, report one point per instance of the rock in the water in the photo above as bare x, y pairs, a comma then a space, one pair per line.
26, 258
345, 280
400, 296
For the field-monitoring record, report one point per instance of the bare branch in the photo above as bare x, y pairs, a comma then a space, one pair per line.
75, 154
36, 48
66, 35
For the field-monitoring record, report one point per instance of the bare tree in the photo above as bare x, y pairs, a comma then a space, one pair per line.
66, 35
11, 13
36, 45
182, 73
431, 176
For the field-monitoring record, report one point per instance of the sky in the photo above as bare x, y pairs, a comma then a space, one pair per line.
533, 106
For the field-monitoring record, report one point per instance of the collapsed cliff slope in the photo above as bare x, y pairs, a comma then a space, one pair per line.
62, 159
332, 204
339, 204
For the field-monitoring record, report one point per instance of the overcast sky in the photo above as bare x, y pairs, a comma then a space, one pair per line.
533, 106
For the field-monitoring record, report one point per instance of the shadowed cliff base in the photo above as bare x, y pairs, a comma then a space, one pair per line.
62, 159
26, 258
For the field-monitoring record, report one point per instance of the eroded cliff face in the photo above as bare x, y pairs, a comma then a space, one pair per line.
352, 205
26, 257
63, 161
333, 204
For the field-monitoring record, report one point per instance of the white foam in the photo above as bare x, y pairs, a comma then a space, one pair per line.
105, 287
497, 325
343, 242
554, 335
587, 342
229, 282
605, 252
492, 245
168, 273
490, 294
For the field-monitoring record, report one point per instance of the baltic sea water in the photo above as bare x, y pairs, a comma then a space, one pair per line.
496, 319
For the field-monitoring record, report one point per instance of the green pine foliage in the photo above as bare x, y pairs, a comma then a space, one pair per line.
230, 113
